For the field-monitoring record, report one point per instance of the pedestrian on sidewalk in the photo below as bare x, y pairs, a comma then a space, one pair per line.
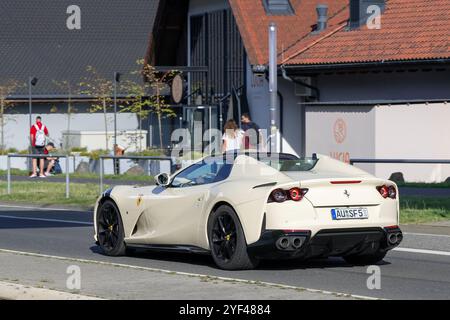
252, 133
38, 138
232, 137
50, 162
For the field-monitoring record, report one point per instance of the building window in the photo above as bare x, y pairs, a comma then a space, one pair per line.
217, 44
278, 7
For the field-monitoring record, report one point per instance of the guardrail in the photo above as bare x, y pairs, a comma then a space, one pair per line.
38, 156
411, 161
102, 159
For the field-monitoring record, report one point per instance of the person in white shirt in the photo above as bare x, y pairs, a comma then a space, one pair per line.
232, 138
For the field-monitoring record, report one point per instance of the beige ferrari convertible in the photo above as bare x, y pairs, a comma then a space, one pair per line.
242, 208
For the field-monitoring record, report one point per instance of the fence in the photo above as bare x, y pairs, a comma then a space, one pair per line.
408, 161
103, 158
36, 156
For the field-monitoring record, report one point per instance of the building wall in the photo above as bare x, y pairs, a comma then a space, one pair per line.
258, 99
405, 131
342, 132
419, 131
406, 85
17, 130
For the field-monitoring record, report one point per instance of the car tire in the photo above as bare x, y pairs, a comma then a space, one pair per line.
227, 241
366, 259
110, 232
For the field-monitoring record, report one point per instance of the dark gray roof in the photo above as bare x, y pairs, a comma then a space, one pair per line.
35, 41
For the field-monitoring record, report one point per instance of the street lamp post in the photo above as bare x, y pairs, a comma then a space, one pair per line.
273, 86
32, 81
116, 162
116, 80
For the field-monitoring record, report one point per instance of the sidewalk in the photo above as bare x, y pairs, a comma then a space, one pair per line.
114, 281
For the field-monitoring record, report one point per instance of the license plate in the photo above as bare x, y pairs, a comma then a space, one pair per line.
349, 213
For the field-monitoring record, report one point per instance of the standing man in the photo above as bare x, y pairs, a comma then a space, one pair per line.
38, 138
252, 137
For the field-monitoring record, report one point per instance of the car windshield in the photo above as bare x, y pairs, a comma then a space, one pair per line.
210, 170
291, 165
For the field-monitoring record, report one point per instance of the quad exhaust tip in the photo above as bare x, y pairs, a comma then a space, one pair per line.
283, 243
293, 243
395, 238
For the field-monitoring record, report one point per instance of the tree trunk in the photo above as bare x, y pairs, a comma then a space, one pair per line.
69, 107
158, 111
106, 123
3, 123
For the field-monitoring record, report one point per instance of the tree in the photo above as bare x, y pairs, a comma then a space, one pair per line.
6, 89
144, 97
67, 86
101, 90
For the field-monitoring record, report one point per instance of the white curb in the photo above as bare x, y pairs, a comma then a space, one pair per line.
12, 291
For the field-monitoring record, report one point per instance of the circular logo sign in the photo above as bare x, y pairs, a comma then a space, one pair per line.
177, 89
340, 131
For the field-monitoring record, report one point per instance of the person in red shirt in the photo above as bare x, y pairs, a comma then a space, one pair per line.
38, 138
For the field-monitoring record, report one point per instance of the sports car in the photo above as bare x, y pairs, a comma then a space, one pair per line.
247, 207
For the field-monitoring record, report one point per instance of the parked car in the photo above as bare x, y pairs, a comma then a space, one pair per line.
247, 207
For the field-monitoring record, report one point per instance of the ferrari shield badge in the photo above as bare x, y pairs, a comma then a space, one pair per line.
139, 200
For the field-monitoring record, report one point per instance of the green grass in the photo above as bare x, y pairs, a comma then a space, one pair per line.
121, 177
415, 209
424, 185
44, 193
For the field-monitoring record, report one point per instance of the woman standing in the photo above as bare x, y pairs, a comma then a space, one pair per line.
232, 138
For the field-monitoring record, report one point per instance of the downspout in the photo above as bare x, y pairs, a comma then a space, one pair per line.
281, 100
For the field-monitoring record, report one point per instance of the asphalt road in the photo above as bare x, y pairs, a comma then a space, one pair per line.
422, 271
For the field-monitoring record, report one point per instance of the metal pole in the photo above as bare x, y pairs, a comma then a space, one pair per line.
115, 110
67, 178
273, 86
9, 174
101, 175
221, 115
30, 105
3, 123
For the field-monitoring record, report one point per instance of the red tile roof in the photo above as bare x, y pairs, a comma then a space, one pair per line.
410, 30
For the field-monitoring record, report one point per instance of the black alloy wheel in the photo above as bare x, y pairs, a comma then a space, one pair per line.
227, 240
110, 232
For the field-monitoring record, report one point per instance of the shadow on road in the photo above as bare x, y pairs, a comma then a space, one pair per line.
207, 261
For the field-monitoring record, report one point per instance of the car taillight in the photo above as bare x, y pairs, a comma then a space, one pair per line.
296, 194
392, 192
386, 192
383, 190
280, 195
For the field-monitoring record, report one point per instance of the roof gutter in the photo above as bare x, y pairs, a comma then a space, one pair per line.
364, 65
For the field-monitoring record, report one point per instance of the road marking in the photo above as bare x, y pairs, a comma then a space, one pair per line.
411, 250
47, 220
202, 276
426, 234
42, 209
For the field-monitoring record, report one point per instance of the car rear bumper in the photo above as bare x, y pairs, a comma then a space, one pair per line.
279, 244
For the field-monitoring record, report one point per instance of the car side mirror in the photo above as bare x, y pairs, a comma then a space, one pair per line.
163, 180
